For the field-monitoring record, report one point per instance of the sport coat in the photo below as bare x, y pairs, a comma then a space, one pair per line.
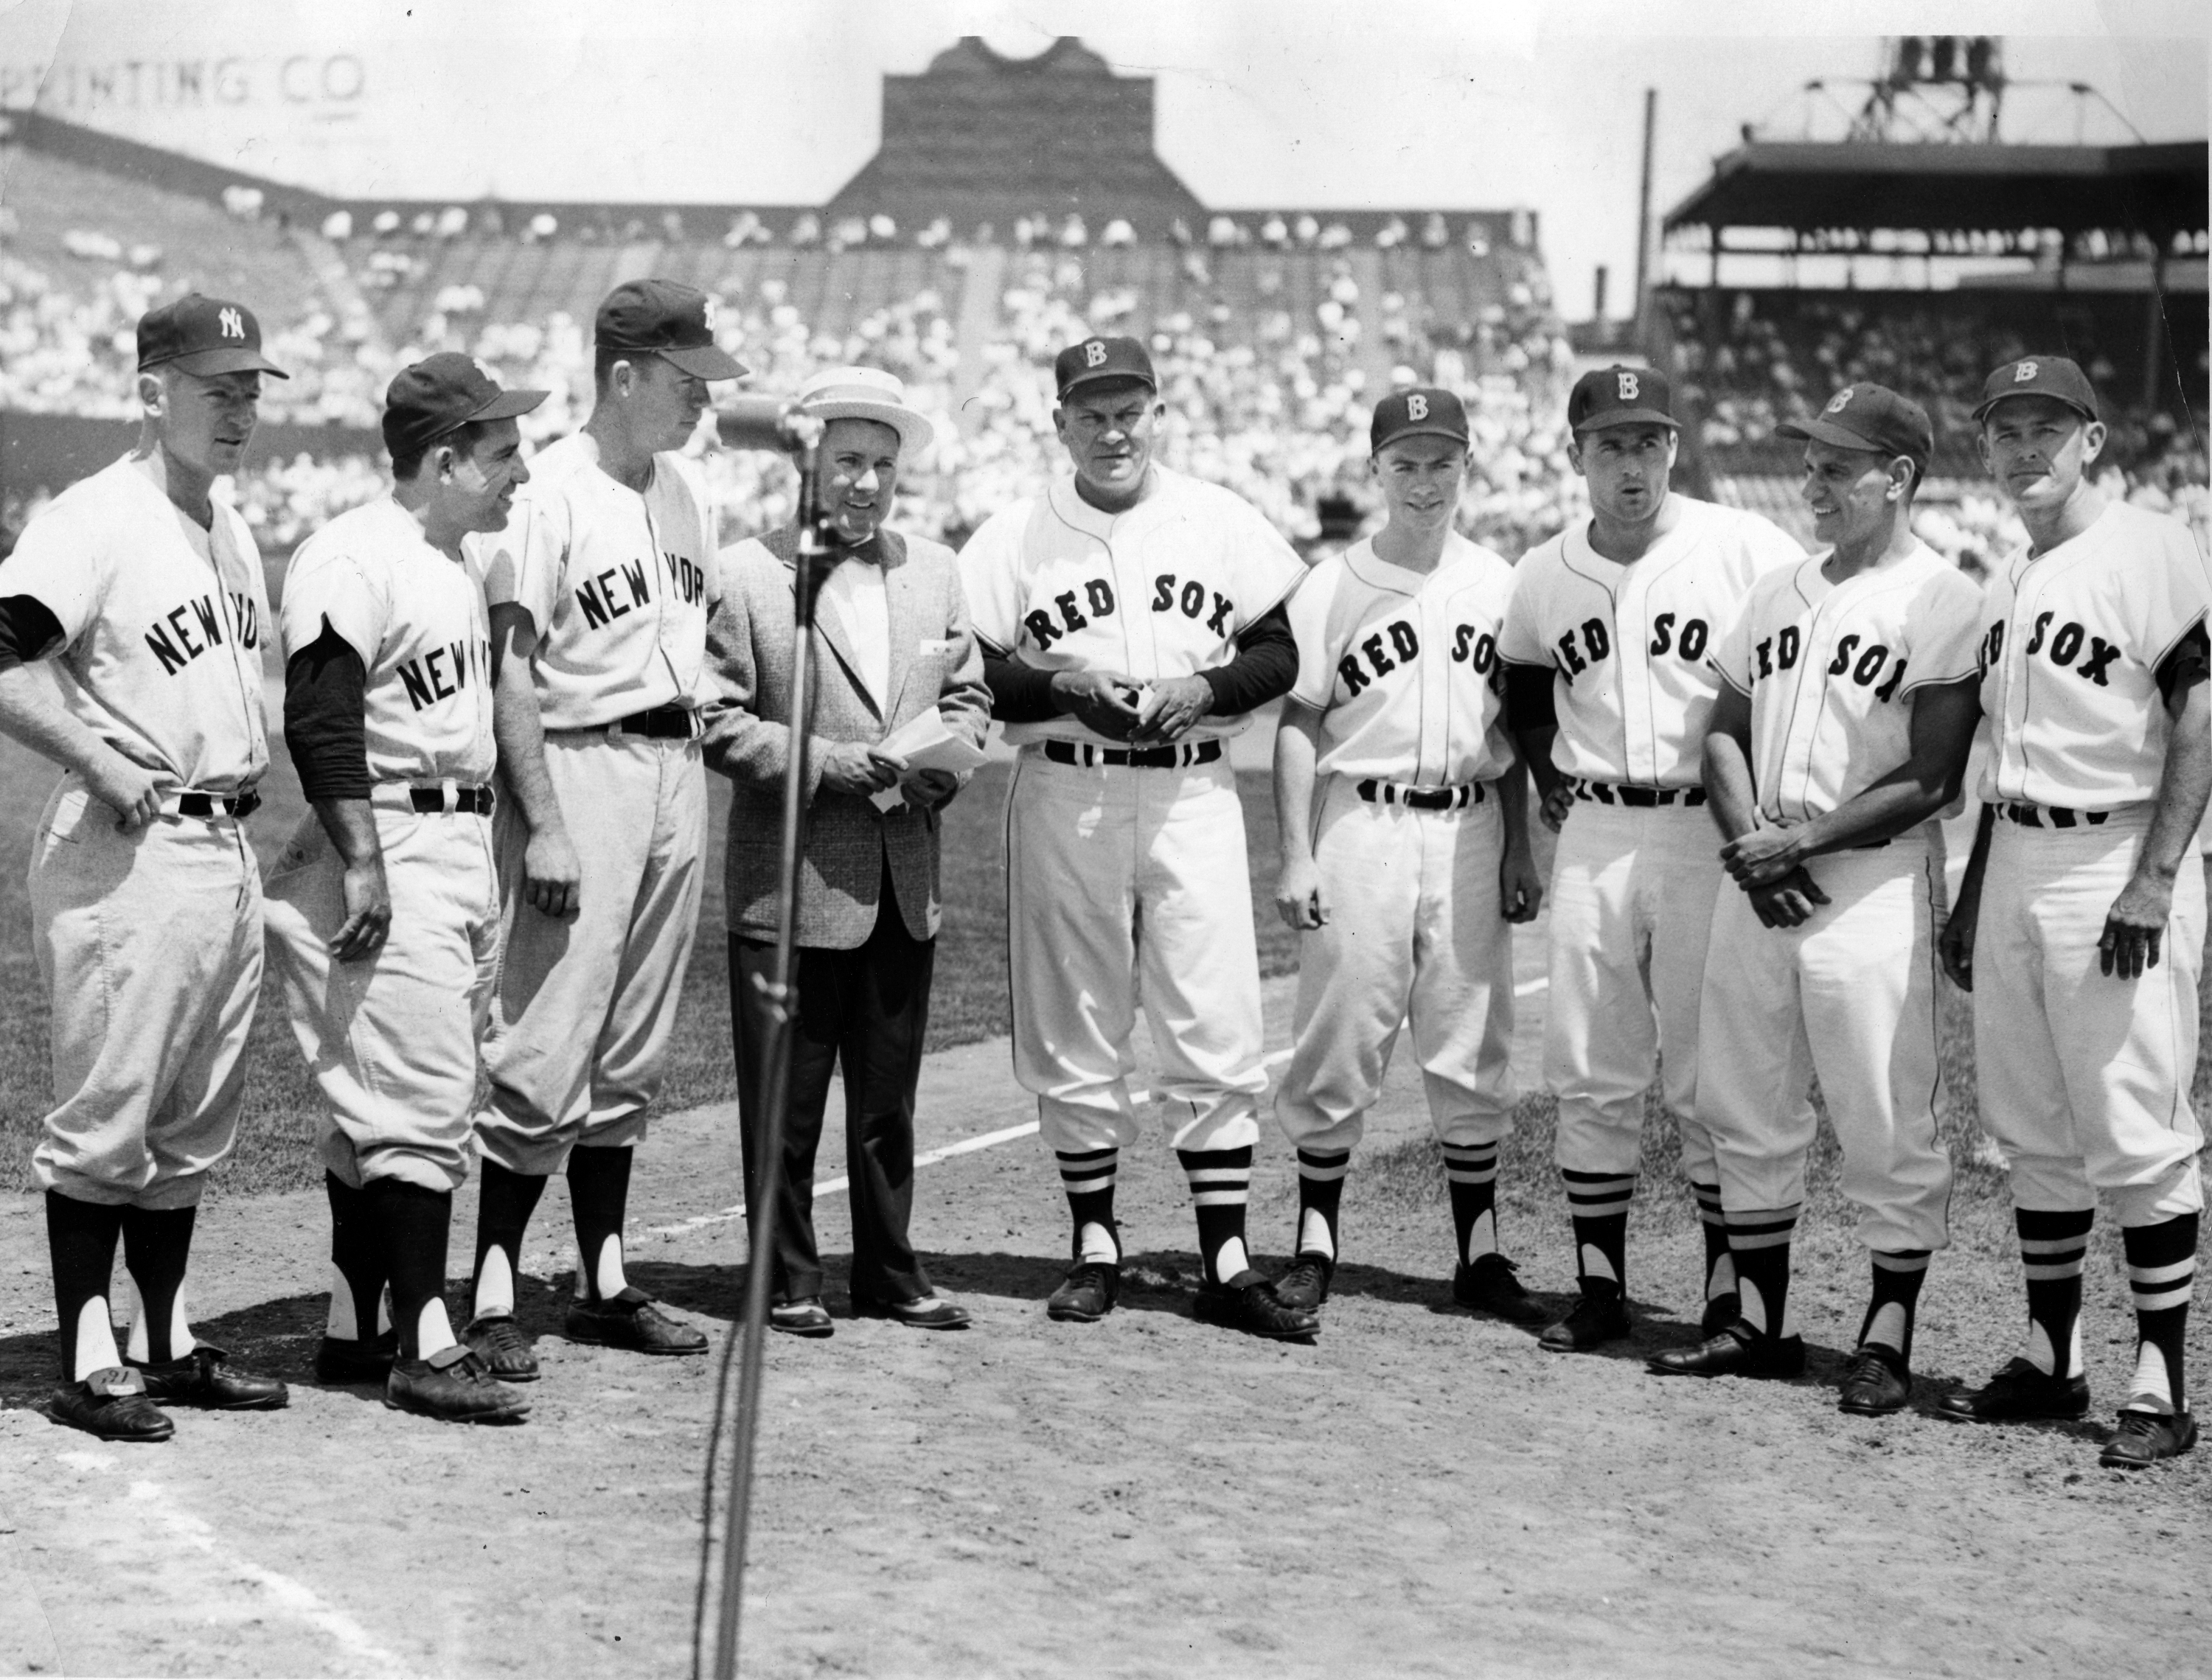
934, 661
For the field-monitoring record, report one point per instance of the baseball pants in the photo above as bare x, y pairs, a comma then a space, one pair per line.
392, 1040
1850, 995
149, 945
586, 1002
1125, 885
1413, 926
2084, 1078
1632, 893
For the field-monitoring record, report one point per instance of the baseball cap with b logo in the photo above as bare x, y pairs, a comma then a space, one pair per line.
204, 335
1094, 361
673, 321
441, 394
1619, 396
1424, 411
2039, 376
1867, 415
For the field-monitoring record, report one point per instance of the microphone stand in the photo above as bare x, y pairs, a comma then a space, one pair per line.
803, 433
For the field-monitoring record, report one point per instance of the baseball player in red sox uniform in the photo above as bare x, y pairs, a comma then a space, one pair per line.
145, 898
1849, 704
599, 591
2080, 924
1129, 617
1402, 810
384, 911
1614, 624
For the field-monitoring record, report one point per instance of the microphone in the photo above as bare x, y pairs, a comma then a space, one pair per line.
774, 424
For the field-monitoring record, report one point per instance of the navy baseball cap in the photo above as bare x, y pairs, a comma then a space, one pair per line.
1424, 411
1618, 395
441, 394
1094, 361
673, 321
204, 335
2039, 376
1866, 416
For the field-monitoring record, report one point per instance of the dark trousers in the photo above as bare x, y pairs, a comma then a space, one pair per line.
867, 1008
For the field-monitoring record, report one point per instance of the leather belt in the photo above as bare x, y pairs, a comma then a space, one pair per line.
1135, 758
1421, 798
1623, 793
661, 723
2051, 816
212, 805
467, 801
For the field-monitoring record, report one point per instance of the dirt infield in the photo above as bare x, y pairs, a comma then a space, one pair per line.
1418, 1492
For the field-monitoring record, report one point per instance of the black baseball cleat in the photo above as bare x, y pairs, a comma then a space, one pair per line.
1086, 1294
454, 1387
807, 1316
1487, 1284
929, 1312
1876, 1382
339, 1362
112, 1405
1252, 1307
1737, 1351
199, 1378
1304, 1286
1720, 1311
1594, 1321
2141, 1439
498, 1341
631, 1320
2016, 1394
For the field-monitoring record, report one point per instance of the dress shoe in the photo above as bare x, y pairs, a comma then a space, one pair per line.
1252, 1307
1876, 1382
1737, 1351
112, 1405
2016, 1394
1304, 1286
807, 1316
339, 1360
2142, 1438
922, 1312
506, 1351
1086, 1294
1596, 1319
1720, 1311
454, 1387
1487, 1284
199, 1378
631, 1321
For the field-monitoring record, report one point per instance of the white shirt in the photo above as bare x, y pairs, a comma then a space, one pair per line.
1403, 665
418, 619
854, 591
162, 626
617, 584
1831, 669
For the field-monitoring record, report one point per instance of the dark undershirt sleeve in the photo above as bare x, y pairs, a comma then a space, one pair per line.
28, 631
324, 684
1020, 694
1265, 667
1528, 699
2189, 661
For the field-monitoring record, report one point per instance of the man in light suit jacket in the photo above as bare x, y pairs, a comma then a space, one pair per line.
892, 640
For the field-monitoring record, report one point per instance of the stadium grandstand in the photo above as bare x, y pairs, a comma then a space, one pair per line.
1012, 204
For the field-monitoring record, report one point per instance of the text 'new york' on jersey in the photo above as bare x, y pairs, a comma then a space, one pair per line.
1158, 592
1631, 646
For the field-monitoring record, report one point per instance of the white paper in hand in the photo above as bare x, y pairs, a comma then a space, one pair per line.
925, 744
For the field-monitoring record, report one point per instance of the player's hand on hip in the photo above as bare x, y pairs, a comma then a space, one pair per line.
1103, 702
368, 912
1172, 708
2134, 925
135, 793
1299, 899
1761, 857
1557, 804
550, 873
1788, 902
1520, 887
850, 766
1954, 946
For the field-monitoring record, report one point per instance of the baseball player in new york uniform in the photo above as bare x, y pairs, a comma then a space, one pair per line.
599, 591
1613, 625
2080, 924
147, 595
384, 911
1130, 616
1402, 810
1850, 699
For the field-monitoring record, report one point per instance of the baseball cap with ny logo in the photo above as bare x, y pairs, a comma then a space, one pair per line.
204, 335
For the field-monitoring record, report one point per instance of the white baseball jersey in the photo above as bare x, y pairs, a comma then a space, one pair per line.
616, 582
161, 624
1158, 592
2072, 642
1831, 669
1632, 645
418, 619
1403, 665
